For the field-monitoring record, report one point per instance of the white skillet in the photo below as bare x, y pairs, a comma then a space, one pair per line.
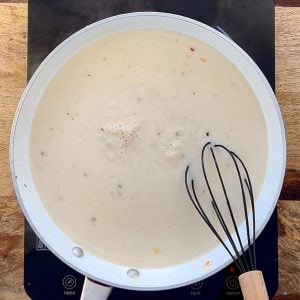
56, 240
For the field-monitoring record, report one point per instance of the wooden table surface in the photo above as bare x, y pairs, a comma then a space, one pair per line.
13, 59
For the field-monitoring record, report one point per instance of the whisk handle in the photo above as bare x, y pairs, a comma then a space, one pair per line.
253, 286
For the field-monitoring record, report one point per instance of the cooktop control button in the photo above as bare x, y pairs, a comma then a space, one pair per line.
232, 283
69, 282
197, 285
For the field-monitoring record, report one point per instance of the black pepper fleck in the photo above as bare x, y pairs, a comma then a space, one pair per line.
85, 174
42, 153
25, 185
89, 75
93, 219
119, 186
207, 133
192, 49
67, 113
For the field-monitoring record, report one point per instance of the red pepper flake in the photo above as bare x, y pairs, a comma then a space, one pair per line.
192, 49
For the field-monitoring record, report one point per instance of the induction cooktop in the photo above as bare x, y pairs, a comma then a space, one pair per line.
250, 23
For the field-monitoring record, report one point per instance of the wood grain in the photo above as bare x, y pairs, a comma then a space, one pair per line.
288, 297
289, 247
288, 78
13, 63
277, 2
13, 37
13, 1
13, 41
289, 3
291, 185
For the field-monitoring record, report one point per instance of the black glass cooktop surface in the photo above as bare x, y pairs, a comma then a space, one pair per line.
250, 24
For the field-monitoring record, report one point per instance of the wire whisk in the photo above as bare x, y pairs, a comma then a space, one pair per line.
245, 260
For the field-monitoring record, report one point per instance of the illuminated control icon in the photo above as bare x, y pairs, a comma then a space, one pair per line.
69, 282
197, 285
232, 283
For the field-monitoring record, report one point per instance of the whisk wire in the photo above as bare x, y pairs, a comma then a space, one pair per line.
201, 212
253, 220
227, 199
250, 191
215, 205
234, 158
246, 215
238, 256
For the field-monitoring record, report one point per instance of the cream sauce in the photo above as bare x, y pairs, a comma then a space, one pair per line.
115, 130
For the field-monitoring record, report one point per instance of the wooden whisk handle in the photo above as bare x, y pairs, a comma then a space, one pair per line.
253, 286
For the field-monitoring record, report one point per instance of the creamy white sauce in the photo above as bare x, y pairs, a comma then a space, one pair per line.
115, 130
